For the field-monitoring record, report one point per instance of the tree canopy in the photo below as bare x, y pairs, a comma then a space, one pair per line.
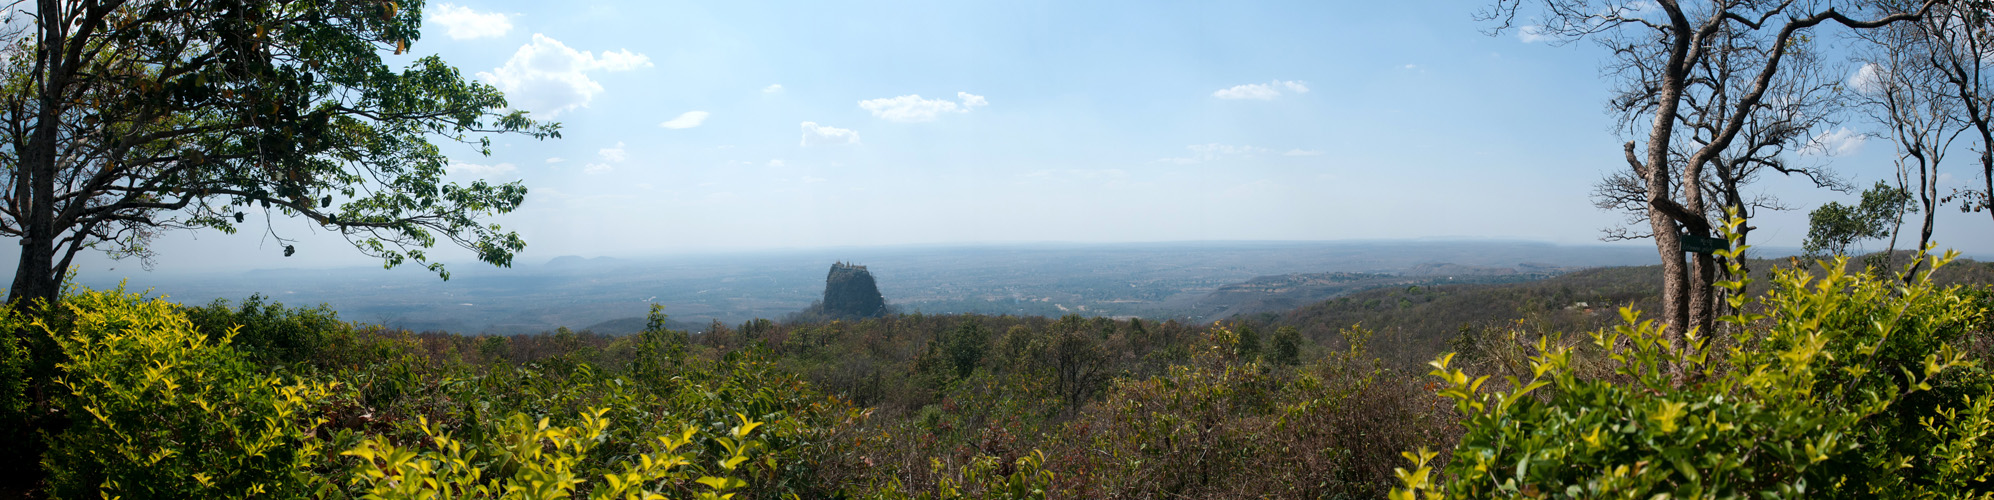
122, 119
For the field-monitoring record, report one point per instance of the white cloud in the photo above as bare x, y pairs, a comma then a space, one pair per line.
687, 119
912, 108
556, 159
1838, 142
1411, 66
1302, 152
776, 163
971, 100
597, 168
476, 170
1262, 91
1867, 79
828, 135
1215, 151
613, 154
812, 180
465, 24
546, 77
772, 88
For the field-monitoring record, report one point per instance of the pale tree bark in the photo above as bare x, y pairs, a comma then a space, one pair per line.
1907, 91
1957, 42
1658, 49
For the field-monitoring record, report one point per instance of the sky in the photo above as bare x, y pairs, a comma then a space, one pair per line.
704, 127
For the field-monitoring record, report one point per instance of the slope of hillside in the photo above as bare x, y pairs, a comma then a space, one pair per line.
1416, 323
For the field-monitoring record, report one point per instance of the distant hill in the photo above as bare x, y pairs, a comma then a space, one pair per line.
1414, 323
1270, 294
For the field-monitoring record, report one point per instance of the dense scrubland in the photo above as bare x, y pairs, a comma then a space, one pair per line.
1821, 383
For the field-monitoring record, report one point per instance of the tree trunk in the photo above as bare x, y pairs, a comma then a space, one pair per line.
37, 276
1987, 169
1675, 279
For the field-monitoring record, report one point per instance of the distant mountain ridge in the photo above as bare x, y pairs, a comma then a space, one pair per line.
1279, 293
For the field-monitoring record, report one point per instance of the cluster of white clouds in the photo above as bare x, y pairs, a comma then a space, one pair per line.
547, 77
912, 108
609, 156
827, 135
772, 88
462, 23
1262, 91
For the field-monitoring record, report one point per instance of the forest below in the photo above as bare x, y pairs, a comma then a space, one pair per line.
129, 394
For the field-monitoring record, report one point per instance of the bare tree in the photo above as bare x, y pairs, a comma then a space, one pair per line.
1660, 48
1796, 115
1906, 89
1958, 44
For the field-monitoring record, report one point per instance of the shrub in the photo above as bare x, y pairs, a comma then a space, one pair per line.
267, 331
525, 459
159, 409
1845, 385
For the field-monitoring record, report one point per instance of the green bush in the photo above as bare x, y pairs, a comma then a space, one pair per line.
160, 409
267, 331
528, 460
1838, 386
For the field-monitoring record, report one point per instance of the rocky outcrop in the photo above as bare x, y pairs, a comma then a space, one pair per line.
850, 292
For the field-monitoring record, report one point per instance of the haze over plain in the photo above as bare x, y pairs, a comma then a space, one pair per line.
709, 128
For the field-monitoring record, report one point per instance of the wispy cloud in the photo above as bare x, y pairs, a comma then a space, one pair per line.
614, 154
1262, 91
772, 88
1214, 151
827, 135
1534, 34
685, 120
913, 108
476, 170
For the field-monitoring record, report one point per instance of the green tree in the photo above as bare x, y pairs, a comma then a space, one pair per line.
966, 346
1287, 345
1834, 226
123, 119
1249, 343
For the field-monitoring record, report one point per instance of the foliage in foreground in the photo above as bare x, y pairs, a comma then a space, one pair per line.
160, 410
1842, 385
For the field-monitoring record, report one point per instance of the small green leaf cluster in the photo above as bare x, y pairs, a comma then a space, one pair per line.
1836, 385
985, 478
529, 460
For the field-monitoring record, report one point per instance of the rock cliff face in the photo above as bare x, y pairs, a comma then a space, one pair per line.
850, 292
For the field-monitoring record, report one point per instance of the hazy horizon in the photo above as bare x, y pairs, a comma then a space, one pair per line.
695, 129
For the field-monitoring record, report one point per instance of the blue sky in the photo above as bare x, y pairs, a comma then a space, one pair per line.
695, 127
